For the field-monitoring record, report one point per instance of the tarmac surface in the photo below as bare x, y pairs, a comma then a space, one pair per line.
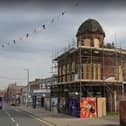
59, 119
10, 116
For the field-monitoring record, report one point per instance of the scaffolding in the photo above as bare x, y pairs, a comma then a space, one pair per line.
92, 64
89, 69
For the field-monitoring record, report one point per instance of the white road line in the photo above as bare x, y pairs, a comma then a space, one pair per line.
42, 121
13, 120
7, 113
17, 110
17, 124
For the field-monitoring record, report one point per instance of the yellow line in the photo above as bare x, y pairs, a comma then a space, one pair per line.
45, 122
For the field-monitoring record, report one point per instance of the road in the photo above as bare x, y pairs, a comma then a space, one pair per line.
15, 116
10, 116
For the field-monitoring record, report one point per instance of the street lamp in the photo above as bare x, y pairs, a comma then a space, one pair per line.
28, 89
27, 70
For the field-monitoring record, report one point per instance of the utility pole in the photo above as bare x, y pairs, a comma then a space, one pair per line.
28, 89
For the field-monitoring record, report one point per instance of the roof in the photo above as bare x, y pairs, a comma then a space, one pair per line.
90, 26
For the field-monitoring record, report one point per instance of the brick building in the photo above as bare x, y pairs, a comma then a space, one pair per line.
2, 93
13, 93
32, 85
93, 68
41, 96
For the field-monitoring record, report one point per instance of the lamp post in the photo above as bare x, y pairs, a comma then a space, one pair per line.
28, 89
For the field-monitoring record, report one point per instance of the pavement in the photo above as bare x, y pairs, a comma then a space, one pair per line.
59, 119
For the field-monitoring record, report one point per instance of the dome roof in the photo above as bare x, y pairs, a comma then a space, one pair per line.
90, 26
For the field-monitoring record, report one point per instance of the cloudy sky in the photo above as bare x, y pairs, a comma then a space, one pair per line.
35, 52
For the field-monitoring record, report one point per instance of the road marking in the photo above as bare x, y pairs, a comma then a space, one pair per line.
41, 120
45, 122
8, 114
17, 110
13, 120
17, 124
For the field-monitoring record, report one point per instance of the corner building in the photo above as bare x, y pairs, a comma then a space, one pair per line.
92, 69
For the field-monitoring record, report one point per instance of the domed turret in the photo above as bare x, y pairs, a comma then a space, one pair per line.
90, 33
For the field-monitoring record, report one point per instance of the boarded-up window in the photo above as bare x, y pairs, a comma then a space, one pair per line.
87, 42
96, 43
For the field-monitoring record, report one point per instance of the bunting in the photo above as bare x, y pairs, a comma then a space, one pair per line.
42, 27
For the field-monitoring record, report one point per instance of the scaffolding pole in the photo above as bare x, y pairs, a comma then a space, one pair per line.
103, 74
123, 90
80, 72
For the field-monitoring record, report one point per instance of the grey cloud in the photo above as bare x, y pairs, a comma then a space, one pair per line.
35, 52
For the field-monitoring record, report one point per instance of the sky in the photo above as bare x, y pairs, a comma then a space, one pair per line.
36, 52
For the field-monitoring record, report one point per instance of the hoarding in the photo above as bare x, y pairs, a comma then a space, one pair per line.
88, 107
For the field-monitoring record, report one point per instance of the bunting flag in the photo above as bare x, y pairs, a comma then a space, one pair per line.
14, 41
42, 27
34, 30
21, 38
63, 13
27, 35
2, 45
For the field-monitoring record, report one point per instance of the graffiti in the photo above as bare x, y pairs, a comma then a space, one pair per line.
88, 107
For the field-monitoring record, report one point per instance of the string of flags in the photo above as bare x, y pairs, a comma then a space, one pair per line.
35, 30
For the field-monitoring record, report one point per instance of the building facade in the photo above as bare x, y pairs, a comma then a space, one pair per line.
40, 92
92, 69
14, 93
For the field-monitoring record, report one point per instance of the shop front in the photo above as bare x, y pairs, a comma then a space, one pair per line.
39, 98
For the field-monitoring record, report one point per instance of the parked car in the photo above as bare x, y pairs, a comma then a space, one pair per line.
13, 103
